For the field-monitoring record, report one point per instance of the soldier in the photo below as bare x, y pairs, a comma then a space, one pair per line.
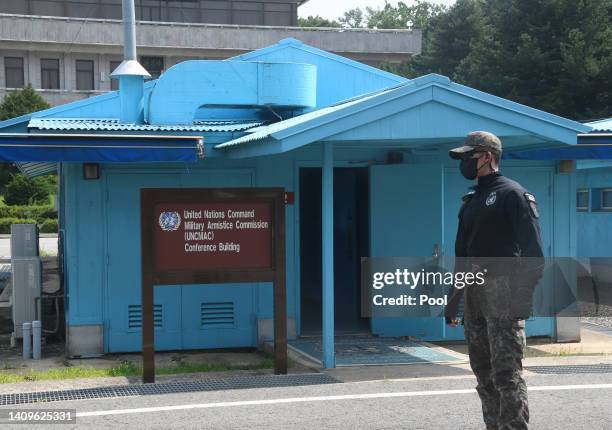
498, 222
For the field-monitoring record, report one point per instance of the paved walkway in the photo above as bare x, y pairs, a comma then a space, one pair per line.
47, 245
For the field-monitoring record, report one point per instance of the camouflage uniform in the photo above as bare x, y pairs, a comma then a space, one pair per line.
495, 347
498, 222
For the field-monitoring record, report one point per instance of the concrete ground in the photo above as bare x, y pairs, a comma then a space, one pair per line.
594, 341
440, 401
595, 348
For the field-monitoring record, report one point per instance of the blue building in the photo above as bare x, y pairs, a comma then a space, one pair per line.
363, 151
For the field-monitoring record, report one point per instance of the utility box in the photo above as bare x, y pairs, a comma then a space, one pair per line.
26, 283
24, 240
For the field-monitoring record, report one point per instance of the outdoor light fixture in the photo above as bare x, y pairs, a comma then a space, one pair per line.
91, 171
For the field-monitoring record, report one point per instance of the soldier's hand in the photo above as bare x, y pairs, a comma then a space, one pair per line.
452, 322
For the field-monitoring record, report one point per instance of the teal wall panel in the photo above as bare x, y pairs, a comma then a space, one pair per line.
427, 120
406, 220
594, 228
123, 280
402, 195
84, 247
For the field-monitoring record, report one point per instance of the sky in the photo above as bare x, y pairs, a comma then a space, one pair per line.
332, 9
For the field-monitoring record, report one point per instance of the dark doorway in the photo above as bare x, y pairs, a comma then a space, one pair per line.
351, 233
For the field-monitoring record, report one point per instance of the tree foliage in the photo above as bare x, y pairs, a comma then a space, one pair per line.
353, 18
554, 55
17, 103
317, 21
16, 188
23, 191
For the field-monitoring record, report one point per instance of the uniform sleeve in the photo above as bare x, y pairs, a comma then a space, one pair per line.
452, 308
525, 225
522, 211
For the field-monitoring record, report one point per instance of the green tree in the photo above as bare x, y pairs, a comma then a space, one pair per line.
23, 191
448, 37
17, 103
7, 170
352, 18
317, 21
554, 55
415, 14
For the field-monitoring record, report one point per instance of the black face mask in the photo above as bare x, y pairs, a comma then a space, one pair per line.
469, 168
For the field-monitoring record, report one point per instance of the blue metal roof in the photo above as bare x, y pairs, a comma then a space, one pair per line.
440, 90
112, 124
264, 132
602, 125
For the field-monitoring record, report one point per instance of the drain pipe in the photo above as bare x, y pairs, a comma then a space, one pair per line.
36, 339
27, 338
130, 73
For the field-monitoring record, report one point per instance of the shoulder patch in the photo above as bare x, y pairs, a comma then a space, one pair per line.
467, 197
533, 205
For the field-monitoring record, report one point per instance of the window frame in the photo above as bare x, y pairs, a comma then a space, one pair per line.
114, 83
7, 68
143, 60
602, 207
91, 80
588, 198
42, 73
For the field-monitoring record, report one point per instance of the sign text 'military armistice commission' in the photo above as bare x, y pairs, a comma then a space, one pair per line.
213, 236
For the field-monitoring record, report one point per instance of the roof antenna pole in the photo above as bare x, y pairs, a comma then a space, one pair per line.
130, 73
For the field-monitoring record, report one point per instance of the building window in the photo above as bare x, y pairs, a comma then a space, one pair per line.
153, 65
606, 199
49, 73
114, 82
84, 75
13, 72
582, 200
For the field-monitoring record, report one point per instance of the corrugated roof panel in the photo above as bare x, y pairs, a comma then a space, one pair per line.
31, 170
264, 132
601, 125
111, 124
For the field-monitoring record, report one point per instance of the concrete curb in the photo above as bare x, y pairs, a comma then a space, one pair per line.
40, 236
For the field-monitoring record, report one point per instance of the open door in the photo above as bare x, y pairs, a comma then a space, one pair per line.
406, 221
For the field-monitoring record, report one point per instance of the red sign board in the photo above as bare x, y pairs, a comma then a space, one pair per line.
209, 236
212, 236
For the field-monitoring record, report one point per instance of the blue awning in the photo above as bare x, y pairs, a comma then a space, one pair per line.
99, 148
576, 152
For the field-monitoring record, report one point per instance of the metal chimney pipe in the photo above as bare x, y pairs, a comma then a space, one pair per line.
130, 73
129, 30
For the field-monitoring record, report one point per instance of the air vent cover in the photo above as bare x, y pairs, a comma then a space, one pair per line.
217, 314
135, 316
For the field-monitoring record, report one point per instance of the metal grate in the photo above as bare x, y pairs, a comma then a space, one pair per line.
218, 384
569, 370
217, 314
135, 316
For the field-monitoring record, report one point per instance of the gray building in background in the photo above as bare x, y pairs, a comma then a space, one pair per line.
67, 48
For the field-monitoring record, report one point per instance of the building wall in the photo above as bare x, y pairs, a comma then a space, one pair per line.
67, 92
104, 241
246, 12
68, 39
594, 226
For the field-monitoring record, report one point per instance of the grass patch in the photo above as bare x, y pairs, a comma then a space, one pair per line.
125, 368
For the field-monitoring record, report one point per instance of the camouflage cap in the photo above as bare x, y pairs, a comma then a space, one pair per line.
477, 141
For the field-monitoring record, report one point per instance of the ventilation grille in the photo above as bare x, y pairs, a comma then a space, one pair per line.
135, 316
209, 384
217, 314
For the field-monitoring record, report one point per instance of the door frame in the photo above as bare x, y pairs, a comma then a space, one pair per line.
297, 260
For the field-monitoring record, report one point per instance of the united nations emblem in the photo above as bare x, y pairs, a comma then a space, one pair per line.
491, 199
169, 221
